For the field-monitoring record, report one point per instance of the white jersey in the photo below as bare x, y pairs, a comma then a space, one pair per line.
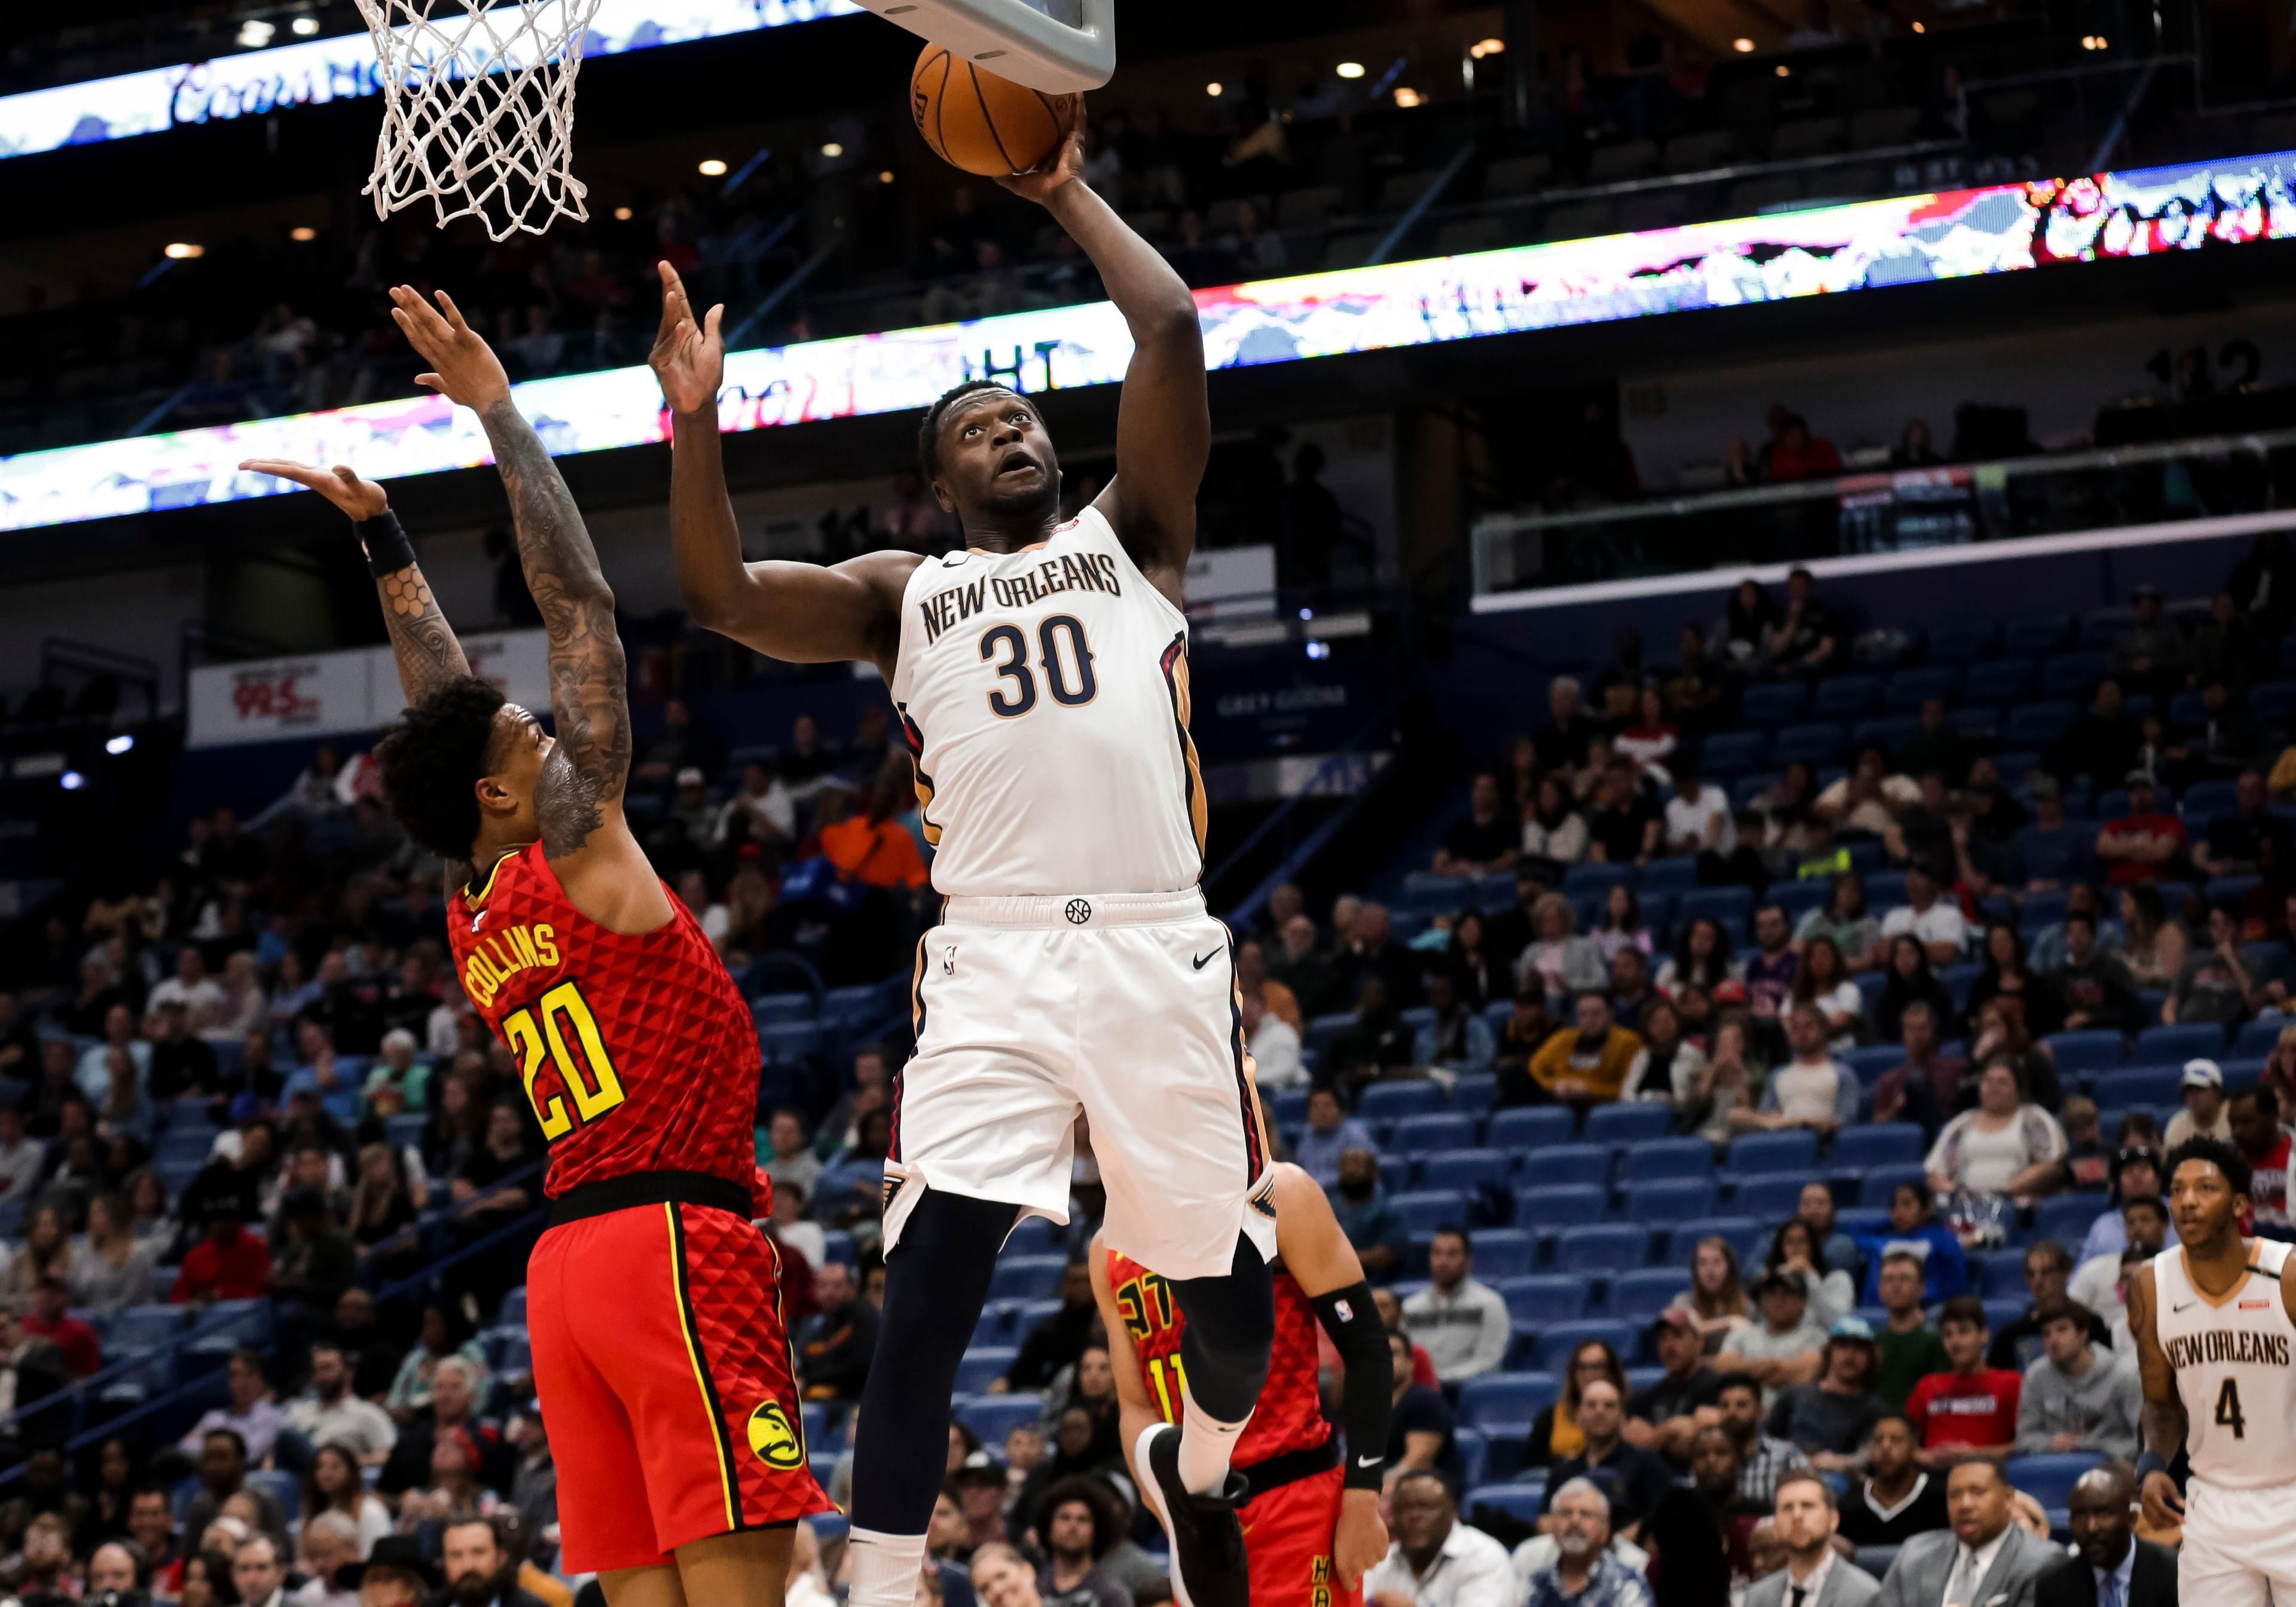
1044, 694
2232, 1360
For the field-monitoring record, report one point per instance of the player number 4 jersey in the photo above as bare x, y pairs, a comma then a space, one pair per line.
2231, 1359
1045, 698
637, 1051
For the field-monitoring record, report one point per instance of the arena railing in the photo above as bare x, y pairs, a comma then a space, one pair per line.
1881, 511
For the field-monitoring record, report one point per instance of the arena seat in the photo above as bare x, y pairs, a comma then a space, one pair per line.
1999, 1274
2147, 1084
2049, 1478
1636, 1297
1522, 1501
2262, 1035
1664, 1203
1876, 1144
2066, 1219
1770, 1196
2160, 1046
1506, 1397
1444, 1130
983, 1365
1529, 1127
994, 1416
1425, 1211
1505, 1252
1622, 1122
1845, 697
2073, 674
1577, 1205
2077, 1053
1535, 1299
2035, 631
1474, 1094
1876, 1560
1557, 1341
1666, 1159
1773, 702
1880, 1182
1394, 1100
1815, 743
1607, 1247
1569, 1163
1745, 1235
1027, 1277
1999, 681
1755, 1152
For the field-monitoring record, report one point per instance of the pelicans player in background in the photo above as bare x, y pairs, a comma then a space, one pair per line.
1312, 1527
654, 1302
2215, 1325
1040, 673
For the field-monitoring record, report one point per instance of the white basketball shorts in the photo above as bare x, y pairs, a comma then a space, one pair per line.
1120, 1006
2239, 1548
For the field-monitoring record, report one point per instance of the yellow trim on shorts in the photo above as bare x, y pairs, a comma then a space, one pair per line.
694, 1355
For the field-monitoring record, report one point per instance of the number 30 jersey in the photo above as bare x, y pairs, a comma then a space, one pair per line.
1044, 694
2232, 1360
637, 1051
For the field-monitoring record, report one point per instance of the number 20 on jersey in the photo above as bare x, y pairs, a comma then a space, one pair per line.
554, 1027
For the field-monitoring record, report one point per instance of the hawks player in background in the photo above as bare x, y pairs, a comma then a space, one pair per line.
653, 1300
1311, 1528
2215, 1325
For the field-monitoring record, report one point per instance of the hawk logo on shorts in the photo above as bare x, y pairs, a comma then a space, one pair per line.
777, 1443
1263, 1198
1078, 911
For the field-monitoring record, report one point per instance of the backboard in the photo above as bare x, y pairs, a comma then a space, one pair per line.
1058, 46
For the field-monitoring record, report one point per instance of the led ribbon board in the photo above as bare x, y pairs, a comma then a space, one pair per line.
314, 71
1867, 245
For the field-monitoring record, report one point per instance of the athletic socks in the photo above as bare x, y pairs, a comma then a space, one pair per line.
1207, 1446
885, 1568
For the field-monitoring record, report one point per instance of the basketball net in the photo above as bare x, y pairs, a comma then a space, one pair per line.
478, 110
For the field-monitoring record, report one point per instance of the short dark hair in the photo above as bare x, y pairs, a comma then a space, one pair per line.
1918, 1188
2064, 1311
431, 759
2217, 1153
928, 427
2081, 915
1737, 1380
2266, 1097
2151, 1202
1098, 1498
2055, 1254
1963, 1309
238, 1440
1455, 1230
1897, 1417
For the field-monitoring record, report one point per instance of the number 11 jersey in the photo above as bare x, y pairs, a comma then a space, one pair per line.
1044, 695
637, 1051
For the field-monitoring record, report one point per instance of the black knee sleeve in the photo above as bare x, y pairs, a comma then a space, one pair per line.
1231, 1324
936, 1281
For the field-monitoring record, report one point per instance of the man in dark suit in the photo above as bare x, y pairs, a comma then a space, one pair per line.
2111, 1567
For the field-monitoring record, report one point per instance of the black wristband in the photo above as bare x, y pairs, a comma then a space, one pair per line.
1366, 1391
387, 550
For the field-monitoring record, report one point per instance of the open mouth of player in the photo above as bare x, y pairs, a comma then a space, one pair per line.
1019, 463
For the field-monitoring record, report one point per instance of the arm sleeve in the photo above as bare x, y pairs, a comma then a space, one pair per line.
1367, 1386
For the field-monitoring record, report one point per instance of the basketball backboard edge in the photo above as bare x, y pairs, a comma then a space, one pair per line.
1017, 40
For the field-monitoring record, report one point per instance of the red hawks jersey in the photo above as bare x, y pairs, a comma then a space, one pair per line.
2267, 1207
636, 1050
1289, 1413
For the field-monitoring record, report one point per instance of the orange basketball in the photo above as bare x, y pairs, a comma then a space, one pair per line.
987, 125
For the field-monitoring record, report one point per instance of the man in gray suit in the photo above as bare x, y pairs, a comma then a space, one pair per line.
1816, 1575
1983, 1560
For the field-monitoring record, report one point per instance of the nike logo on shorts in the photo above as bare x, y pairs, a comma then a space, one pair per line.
1204, 960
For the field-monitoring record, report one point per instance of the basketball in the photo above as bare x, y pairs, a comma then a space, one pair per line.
987, 125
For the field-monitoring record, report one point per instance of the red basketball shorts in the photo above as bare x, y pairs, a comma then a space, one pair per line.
664, 1374
1287, 1541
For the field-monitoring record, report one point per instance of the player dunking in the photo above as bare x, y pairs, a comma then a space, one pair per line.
1311, 1528
2215, 1323
1041, 677
654, 1303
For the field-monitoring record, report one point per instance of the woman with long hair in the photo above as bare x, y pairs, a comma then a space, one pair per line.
381, 1206
1622, 926
1796, 1248
2009, 979
1478, 974
1747, 622
115, 1472
1556, 1435
1557, 958
1704, 1103
334, 1483
2007, 1145
1855, 930
1553, 831
1823, 980
2153, 949
1652, 738
1701, 958
207, 1581
2002, 1031
457, 1127
46, 1249
1670, 1063
1910, 979
1716, 1297
147, 1206
110, 1267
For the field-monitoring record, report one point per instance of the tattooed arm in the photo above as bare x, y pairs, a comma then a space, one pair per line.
577, 798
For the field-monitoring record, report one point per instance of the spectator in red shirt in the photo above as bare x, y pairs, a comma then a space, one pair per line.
228, 1263
51, 1320
2256, 1128
1798, 454
2141, 844
1971, 1411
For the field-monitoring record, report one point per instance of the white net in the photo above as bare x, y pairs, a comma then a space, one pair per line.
479, 109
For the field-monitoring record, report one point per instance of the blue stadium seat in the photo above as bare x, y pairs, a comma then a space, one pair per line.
2037, 631
508, 1350
1289, 1109
1426, 1209
1876, 1560
1621, 1122
1880, 1182
244, 1322
2160, 1046
2037, 725
1676, 874
512, 1309
1541, 1208
1730, 905
1467, 1169
1729, 752
1636, 1297
2139, 1086
2262, 1035
1610, 1247
1505, 1252
2187, 712
2094, 1050
1877, 1144
983, 1366
2272, 701
1845, 697
145, 1327
1031, 1237
2000, 1274
1770, 1196
1958, 980
1474, 1094
774, 1009
1557, 1341
2066, 1219
1873, 1060
1746, 1237
2000, 681
1909, 689
1798, 898
1962, 642
1569, 1163
1506, 1397
2049, 1479
789, 1040
1666, 1159
1890, 733
1662, 1204
1581, 880
1324, 1030
1773, 702
285, 1487
1535, 1301
1816, 742
1754, 1153
1444, 1130
1027, 1277
1385, 1101
2102, 626
859, 1006
2210, 798
1527, 1128
1522, 1501
1474, 1455
994, 1416
2073, 674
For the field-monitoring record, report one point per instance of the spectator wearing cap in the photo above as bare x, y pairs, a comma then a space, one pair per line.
2206, 1114
394, 1574
2214, 985
228, 1263
1830, 1416
2074, 1400
2151, 653
1938, 922
2135, 1175
978, 1484
1665, 1413
1784, 1348
2143, 844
